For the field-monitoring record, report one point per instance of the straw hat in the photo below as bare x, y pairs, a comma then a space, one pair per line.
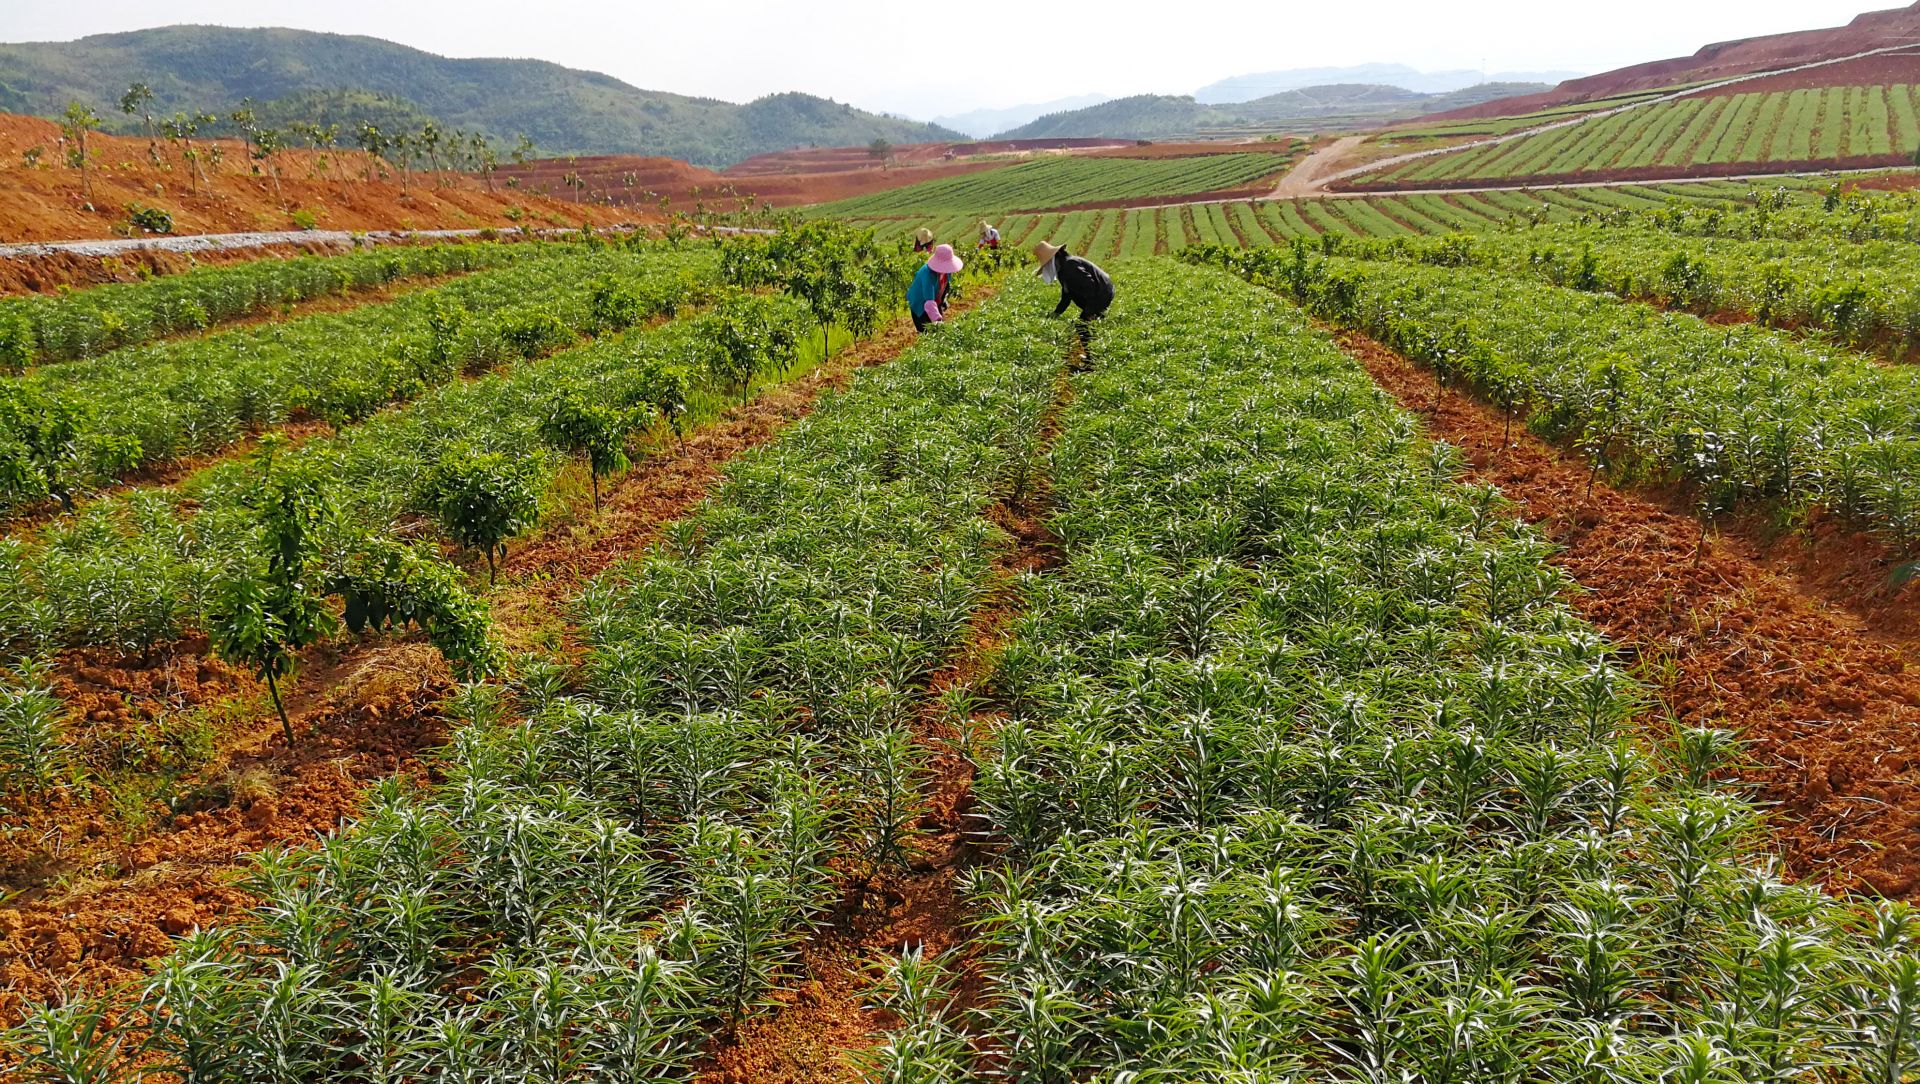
923, 235
944, 262
985, 225
1045, 253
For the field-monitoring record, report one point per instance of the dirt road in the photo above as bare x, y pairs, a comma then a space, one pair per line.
1307, 178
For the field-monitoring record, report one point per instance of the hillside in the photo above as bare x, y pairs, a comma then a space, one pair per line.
563, 110
1873, 30
1153, 116
45, 201
1246, 88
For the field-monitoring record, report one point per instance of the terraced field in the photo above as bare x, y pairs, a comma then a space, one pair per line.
1113, 232
1065, 181
1832, 127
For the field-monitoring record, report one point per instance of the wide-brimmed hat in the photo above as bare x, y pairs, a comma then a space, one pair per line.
1045, 253
923, 235
985, 225
944, 261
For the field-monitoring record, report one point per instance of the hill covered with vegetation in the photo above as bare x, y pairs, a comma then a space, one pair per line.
1158, 116
563, 110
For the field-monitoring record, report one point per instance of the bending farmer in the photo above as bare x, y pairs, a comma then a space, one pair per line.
927, 297
1081, 282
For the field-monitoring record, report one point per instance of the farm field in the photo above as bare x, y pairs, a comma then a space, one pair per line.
964, 711
1112, 232
1266, 712
1831, 127
71, 426
38, 329
1865, 293
1064, 181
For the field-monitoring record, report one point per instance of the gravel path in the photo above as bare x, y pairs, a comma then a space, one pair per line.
216, 242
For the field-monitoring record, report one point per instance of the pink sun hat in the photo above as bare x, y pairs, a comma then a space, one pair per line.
944, 261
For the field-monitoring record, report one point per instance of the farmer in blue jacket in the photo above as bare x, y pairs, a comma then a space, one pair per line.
927, 297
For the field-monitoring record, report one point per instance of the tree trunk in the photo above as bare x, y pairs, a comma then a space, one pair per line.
286, 725
595, 475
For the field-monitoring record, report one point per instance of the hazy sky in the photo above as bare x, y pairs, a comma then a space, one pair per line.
924, 59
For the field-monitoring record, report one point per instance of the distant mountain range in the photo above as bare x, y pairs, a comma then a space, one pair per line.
1247, 88
563, 110
982, 123
1154, 116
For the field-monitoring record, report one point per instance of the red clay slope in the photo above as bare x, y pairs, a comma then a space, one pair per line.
1874, 30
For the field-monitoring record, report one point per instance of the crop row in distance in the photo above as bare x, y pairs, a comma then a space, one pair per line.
1064, 180
1739, 414
1115, 232
591, 896
83, 323
1865, 293
1311, 768
1830, 124
71, 425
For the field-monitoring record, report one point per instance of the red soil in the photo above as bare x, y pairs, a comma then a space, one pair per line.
98, 898
47, 203
1874, 30
1796, 643
1886, 69
643, 182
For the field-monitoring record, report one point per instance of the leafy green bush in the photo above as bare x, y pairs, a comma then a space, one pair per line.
483, 499
150, 219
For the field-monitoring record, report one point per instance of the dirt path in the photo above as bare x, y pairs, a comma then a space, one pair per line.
88, 909
1309, 176
1794, 645
822, 1021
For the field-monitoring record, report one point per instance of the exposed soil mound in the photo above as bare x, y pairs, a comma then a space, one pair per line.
45, 200
1725, 60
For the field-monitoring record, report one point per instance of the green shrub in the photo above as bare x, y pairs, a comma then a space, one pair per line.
150, 219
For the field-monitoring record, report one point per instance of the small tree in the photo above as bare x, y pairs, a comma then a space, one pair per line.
181, 129
594, 428
75, 126
138, 100
402, 148
266, 149
747, 337
373, 143
262, 617
482, 499
430, 140
243, 119
485, 161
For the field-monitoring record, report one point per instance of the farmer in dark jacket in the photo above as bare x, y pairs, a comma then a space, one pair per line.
1081, 282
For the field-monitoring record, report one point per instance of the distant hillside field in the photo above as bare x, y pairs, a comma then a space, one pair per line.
1154, 116
1816, 127
563, 110
1067, 181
